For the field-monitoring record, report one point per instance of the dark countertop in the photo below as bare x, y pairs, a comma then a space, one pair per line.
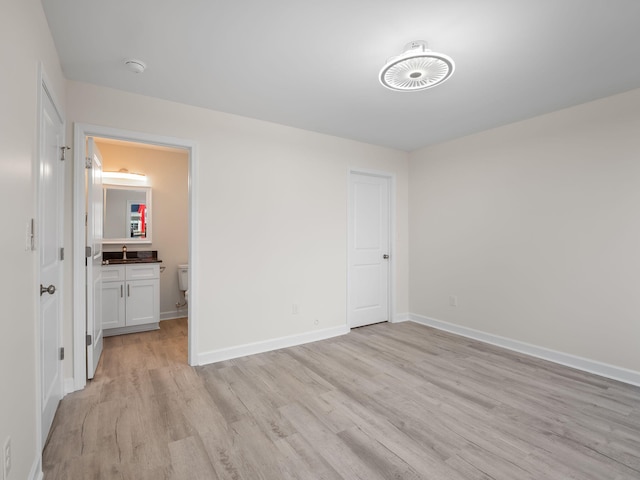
121, 261
136, 256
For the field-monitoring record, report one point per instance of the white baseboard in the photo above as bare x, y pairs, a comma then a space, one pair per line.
592, 366
36, 469
172, 314
269, 345
401, 317
145, 327
69, 385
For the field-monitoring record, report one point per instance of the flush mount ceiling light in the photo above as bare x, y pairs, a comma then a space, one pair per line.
134, 65
417, 68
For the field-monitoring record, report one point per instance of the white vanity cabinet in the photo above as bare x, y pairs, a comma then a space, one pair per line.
130, 298
113, 308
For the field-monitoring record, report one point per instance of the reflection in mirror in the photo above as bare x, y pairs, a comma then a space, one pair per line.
137, 221
127, 214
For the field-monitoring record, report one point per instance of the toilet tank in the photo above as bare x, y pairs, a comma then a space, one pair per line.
183, 277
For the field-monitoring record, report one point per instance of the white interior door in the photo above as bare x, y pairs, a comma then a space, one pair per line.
50, 226
95, 203
368, 249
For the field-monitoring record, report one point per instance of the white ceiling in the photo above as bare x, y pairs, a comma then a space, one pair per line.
314, 64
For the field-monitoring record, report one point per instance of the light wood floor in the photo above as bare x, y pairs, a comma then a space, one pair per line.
389, 401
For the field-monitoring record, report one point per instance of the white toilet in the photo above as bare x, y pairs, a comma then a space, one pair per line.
183, 280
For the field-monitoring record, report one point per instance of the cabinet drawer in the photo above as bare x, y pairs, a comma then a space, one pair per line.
113, 273
141, 272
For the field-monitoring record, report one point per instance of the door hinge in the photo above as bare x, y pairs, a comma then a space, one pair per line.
61, 353
32, 235
86, 219
89, 340
87, 252
63, 150
87, 163
61, 253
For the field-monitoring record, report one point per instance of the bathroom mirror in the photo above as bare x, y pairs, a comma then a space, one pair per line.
127, 214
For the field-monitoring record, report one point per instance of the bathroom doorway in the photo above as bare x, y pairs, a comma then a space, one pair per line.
167, 165
149, 218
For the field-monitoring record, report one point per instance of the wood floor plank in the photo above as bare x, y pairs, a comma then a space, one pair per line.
329, 445
387, 401
377, 456
302, 460
190, 460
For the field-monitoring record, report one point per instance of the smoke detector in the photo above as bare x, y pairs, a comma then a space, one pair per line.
417, 68
134, 65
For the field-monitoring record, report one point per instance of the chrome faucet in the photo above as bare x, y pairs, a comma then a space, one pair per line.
124, 252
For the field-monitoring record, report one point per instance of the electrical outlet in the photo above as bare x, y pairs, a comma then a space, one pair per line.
316, 321
453, 301
294, 309
6, 455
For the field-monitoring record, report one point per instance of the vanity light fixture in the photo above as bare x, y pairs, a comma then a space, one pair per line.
417, 68
124, 175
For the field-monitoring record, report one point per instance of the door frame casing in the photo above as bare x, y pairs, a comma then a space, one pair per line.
80, 132
391, 179
44, 88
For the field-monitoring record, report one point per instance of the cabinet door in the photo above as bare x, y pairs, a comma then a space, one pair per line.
113, 305
143, 302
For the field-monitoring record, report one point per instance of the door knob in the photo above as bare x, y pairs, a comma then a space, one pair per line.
385, 256
51, 289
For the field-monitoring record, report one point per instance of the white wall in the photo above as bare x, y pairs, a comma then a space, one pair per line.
535, 227
532, 225
272, 214
167, 174
24, 41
